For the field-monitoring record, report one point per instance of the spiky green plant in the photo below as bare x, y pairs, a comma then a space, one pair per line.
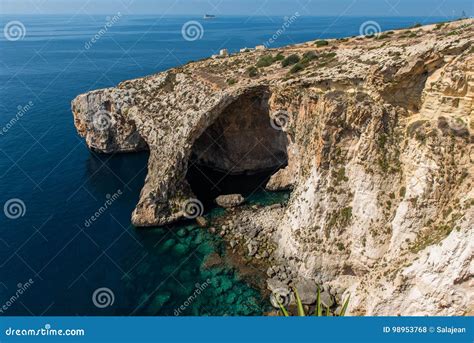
318, 311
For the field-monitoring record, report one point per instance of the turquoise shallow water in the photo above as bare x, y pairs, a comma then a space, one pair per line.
45, 165
201, 290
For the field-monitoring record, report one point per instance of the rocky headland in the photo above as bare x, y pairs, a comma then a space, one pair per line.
373, 136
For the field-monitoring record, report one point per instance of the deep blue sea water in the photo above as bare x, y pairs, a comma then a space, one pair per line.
47, 166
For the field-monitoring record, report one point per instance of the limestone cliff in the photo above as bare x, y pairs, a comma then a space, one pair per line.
374, 135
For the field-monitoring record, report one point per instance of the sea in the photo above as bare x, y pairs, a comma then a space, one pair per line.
56, 260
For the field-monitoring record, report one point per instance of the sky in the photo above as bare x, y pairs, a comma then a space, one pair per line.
445, 8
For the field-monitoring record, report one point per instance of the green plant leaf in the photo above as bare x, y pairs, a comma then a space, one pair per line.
299, 304
344, 307
327, 311
282, 308
318, 310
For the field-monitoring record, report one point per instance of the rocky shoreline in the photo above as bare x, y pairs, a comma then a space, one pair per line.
249, 233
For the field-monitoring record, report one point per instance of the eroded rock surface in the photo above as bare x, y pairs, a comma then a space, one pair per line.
375, 136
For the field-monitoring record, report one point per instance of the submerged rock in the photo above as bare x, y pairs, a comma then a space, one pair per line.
201, 221
158, 302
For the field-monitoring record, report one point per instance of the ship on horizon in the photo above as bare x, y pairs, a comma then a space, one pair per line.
209, 16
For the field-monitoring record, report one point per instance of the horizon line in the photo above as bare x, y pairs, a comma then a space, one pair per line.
239, 15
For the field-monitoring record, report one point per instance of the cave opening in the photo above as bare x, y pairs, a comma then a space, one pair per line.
239, 152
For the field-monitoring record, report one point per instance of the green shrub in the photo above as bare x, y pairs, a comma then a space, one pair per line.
265, 61
402, 192
329, 55
340, 218
340, 246
279, 57
297, 67
321, 42
268, 60
309, 56
252, 71
416, 25
231, 82
290, 60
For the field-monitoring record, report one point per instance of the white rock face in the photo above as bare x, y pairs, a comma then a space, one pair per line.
379, 151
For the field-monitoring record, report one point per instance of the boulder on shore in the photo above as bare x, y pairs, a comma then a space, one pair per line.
230, 200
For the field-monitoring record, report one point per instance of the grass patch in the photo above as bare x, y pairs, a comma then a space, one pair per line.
341, 218
339, 176
432, 236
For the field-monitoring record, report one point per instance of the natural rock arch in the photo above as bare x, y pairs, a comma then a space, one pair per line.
239, 151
